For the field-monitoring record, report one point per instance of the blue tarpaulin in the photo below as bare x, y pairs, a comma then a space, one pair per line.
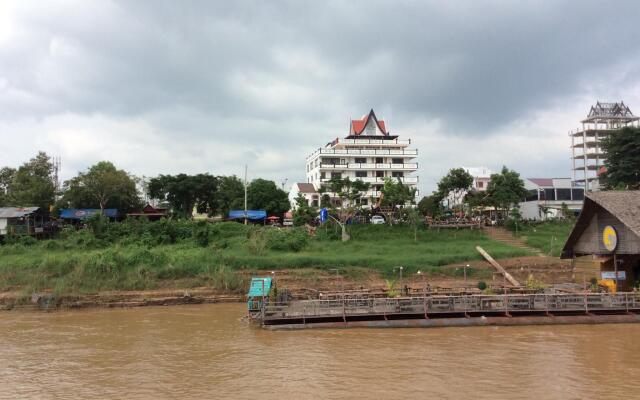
254, 215
83, 213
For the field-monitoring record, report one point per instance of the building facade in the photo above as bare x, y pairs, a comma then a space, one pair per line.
546, 196
369, 153
308, 191
586, 152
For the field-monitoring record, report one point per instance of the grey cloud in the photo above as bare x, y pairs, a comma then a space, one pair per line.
286, 76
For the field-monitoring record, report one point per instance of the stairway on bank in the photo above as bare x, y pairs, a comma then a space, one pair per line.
505, 236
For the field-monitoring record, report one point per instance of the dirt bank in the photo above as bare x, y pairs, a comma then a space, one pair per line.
303, 283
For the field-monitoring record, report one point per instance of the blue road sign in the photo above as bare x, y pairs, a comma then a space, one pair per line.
324, 215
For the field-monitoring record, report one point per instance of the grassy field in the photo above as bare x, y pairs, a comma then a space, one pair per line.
138, 256
548, 236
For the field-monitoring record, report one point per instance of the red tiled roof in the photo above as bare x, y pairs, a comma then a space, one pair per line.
306, 188
358, 125
542, 181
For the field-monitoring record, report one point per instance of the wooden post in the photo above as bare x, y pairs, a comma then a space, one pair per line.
615, 269
344, 311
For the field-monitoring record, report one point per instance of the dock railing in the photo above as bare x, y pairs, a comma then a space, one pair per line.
463, 304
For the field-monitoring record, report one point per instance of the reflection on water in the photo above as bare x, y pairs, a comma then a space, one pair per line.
207, 352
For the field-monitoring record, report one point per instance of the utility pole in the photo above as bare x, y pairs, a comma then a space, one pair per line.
245, 194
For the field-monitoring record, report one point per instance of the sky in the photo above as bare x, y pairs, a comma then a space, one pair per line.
165, 87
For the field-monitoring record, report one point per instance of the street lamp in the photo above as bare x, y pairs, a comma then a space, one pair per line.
465, 274
424, 289
399, 270
338, 277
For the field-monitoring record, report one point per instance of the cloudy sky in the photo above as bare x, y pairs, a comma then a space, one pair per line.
168, 87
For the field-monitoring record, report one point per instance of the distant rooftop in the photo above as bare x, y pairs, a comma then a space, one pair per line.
608, 111
478, 172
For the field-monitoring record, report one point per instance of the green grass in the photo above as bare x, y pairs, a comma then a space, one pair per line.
549, 236
135, 259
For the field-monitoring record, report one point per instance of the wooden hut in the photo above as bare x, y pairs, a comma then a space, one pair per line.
605, 242
23, 221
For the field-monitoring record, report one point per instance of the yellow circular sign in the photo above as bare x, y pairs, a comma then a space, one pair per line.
610, 238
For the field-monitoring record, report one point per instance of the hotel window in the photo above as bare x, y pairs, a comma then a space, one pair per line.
577, 194
548, 194
563, 194
379, 174
480, 184
322, 175
397, 161
397, 174
379, 160
361, 174
360, 160
336, 175
532, 195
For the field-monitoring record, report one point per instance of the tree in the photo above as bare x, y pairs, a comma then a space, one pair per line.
476, 199
32, 184
412, 217
265, 195
455, 185
431, 205
349, 193
506, 189
186, 192
397, 194
102, 186
6, 178
622, 152
230, 194
303, 213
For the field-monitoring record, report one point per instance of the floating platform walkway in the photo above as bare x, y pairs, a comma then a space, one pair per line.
451, 310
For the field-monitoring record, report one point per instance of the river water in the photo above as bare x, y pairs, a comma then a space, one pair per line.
208, 352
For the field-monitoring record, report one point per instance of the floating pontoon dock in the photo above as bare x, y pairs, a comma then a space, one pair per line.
452, 310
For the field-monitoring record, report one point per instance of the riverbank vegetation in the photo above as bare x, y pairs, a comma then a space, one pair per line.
138, 255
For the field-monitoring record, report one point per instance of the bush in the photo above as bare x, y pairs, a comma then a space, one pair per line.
202, 236
294, 239
482, 285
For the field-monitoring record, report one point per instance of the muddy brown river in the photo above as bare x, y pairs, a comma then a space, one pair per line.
207, 352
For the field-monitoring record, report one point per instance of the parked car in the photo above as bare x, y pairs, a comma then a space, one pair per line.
377, 219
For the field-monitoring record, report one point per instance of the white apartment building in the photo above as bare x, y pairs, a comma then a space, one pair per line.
369, 153
586, 152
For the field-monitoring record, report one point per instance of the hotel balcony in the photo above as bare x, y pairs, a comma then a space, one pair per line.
372, 179
384, 166
369, 193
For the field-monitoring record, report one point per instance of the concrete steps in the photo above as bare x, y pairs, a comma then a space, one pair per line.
505, 236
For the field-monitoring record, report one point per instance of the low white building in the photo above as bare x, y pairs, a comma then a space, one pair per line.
481, 177
545, 197
308, 191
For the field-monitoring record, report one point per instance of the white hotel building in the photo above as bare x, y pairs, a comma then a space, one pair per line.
369, 153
